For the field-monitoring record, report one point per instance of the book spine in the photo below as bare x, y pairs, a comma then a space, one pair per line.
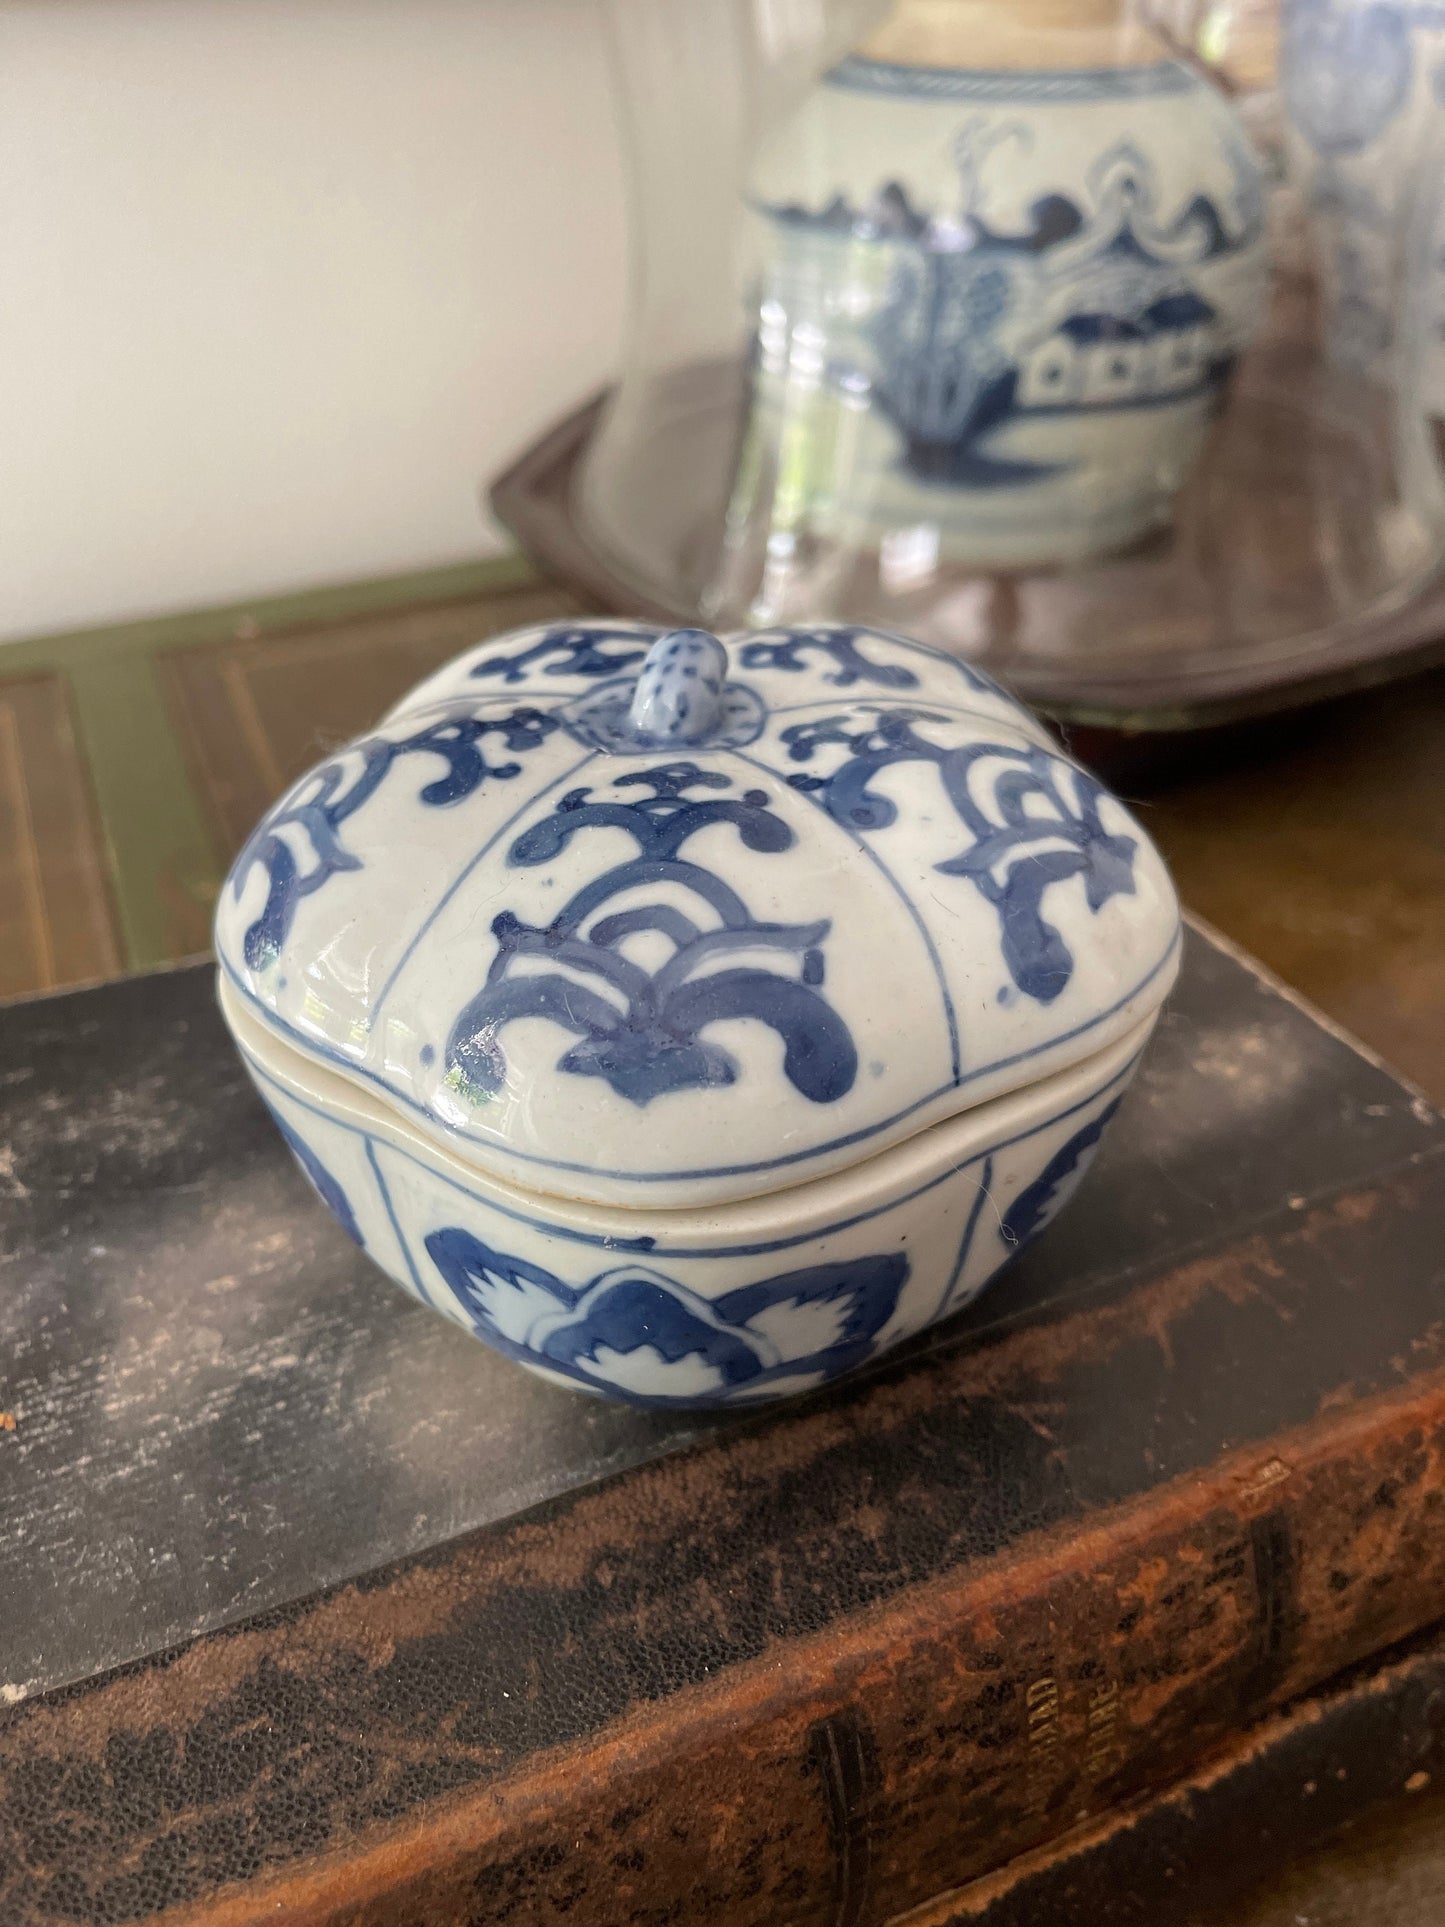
1370, 1744
906, 1751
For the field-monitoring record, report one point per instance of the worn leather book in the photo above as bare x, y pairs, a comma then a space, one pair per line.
1368, 1746
314, 1612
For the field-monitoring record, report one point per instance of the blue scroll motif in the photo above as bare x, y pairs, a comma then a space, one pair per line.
326, 1187
651, 1041
1030, 804
570, 650
852, 666
813, 1323
1036, 1204
312, 817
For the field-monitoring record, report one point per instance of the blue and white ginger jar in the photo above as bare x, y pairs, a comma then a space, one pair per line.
1000, 302
693, 1020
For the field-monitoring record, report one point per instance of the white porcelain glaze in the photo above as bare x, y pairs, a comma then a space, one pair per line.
728, 1305
756, 940
871, 897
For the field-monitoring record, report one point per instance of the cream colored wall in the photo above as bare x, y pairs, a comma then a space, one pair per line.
281, 281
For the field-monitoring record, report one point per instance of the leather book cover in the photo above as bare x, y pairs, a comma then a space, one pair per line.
313, 1612
1367, 1747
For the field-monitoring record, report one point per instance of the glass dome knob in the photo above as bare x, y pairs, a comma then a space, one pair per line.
679, 694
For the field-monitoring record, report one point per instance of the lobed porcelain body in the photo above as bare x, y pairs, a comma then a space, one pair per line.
694, 1021
727, 1305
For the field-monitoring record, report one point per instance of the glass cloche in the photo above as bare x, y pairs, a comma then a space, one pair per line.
1099, 344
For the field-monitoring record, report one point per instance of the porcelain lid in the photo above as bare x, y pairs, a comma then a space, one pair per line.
632, 916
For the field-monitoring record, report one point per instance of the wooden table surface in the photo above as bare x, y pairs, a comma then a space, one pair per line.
133, 762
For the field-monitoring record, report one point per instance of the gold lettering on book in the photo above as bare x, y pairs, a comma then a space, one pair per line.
1042, 1702
1103, 1747
1059, 1752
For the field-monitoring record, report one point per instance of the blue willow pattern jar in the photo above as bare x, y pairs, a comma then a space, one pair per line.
1007, 256
692, 1020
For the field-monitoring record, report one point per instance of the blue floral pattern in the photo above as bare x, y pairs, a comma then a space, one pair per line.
651, 1042
1036, 1204
639, 1320
586, 649
635, 1323
1033, 819
640, 979
299, 844
840, 646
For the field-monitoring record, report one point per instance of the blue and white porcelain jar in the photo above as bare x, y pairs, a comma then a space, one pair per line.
1006, 257
1364, 88
693, 1020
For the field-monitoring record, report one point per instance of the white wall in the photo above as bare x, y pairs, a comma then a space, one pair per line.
281, 281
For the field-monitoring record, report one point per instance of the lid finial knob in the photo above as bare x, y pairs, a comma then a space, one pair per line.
679, 694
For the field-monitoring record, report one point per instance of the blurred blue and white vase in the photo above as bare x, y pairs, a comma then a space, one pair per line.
1363, 84
1429, 303
1004, 271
